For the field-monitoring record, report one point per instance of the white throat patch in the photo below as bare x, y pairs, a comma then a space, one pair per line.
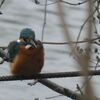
28, 46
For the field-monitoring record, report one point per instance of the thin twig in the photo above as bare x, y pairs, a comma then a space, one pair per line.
52, 97
69, 3
73, 42
75, 4
45, 18
94, 24
2, 2
78, 87
91, 15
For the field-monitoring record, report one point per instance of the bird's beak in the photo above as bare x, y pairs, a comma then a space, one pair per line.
33, 43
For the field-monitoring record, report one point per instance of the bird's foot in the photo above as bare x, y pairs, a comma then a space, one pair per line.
33, 83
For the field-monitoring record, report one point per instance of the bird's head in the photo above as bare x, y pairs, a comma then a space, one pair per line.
28, 35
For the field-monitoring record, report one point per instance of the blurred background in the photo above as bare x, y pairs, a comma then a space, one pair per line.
19, 14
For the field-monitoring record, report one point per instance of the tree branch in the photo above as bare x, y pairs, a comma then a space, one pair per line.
60, 89
47, 75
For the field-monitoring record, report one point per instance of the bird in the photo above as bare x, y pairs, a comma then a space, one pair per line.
26, 55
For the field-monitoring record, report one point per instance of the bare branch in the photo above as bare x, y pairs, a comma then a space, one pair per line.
60, 89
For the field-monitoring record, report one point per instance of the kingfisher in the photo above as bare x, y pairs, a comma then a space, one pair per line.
26, 55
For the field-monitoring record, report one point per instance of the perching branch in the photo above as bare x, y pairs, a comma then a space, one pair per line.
47, 75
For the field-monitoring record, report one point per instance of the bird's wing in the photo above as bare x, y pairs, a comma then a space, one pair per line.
13, 49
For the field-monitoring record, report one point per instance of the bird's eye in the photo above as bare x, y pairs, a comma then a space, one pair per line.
26, 40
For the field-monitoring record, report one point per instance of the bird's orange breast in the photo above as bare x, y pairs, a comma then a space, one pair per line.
28, 61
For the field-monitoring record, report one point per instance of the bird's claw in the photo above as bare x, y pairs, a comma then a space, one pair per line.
33, 83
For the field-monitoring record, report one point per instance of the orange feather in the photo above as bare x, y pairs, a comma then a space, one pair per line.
28, 61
